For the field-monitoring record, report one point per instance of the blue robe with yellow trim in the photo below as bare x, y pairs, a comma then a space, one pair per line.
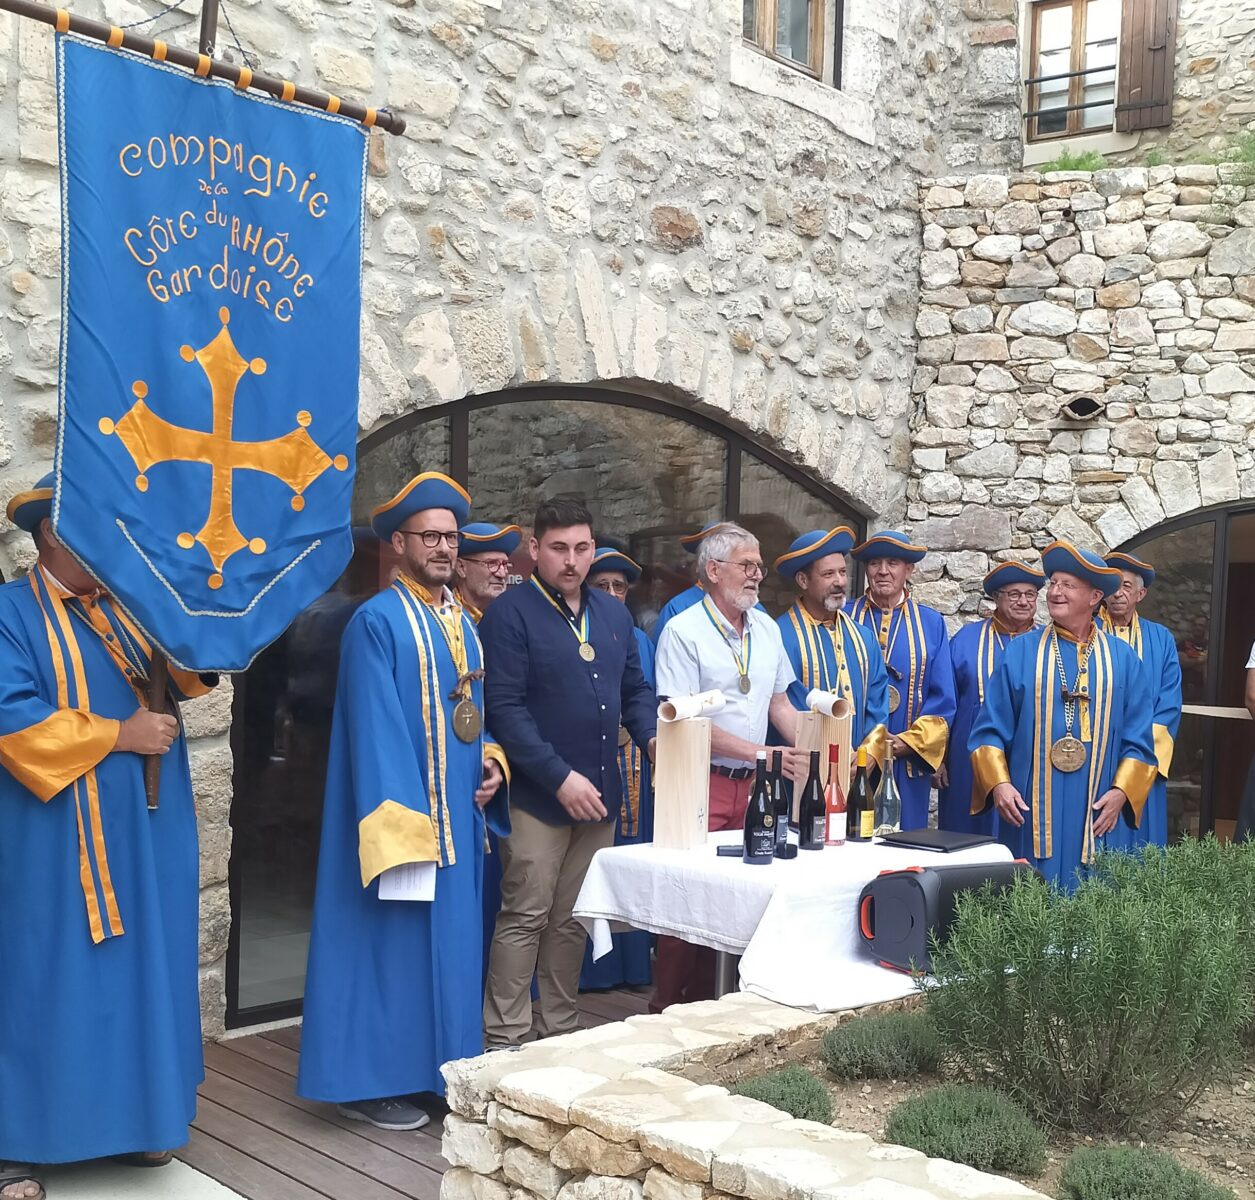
975, 651
393, 988
916, 651
676, 605
628, 960
100, 1046
1155, 646
1024, 715
853, 668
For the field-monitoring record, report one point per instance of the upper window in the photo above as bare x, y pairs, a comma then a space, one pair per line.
794, 31
1072, 82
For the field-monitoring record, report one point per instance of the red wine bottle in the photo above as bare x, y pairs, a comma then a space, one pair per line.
779, 802
760, 818
812, 816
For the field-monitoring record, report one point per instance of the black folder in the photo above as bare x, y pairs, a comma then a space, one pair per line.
942, 841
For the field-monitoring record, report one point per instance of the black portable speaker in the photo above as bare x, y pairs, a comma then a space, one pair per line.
899, 910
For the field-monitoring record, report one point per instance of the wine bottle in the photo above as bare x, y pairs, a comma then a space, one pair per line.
760, 818
812, 817
888, 799
861, 814
834, 801
779, 802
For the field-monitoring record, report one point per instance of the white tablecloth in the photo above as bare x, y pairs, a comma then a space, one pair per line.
793, 921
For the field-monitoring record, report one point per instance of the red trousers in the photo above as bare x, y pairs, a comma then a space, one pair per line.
684, 972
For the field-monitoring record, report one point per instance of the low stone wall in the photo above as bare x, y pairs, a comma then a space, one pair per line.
609, 1114
1130, 290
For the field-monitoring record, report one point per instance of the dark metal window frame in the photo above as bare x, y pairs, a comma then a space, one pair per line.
1220, 515
458, 412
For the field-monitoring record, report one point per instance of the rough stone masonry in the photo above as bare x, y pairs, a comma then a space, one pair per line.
1126, 297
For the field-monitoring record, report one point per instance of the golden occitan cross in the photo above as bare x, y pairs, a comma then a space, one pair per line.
295, 458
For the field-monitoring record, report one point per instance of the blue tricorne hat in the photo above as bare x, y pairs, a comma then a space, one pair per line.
431, 489
1007, 573
482, 537
813, 545
1084, 564
691, 541
27, 509
1126, 562
889, 543
608, 558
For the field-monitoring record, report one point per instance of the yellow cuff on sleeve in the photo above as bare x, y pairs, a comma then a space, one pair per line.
989, 769
928, 736
1134, 779
47, 757
1164, 747
392, 835
875, 744
496, 754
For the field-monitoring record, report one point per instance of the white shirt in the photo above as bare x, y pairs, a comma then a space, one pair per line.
695, 654
1250, 662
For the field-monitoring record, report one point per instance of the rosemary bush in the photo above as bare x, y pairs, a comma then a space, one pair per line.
1112, 1007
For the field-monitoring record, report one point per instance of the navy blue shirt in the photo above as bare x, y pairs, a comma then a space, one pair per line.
551, 711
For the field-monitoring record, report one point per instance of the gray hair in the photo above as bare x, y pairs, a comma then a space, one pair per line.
719, 545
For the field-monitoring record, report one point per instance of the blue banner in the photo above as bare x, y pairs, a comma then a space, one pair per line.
211, 245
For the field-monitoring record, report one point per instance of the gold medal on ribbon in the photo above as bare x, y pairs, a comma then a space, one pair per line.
468, 721
1068, 754
895, 699
744, 684
587, 653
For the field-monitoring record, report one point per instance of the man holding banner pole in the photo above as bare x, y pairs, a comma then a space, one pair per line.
100, 1047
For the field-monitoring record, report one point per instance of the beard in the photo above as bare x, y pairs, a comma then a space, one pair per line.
833, 602
745, 600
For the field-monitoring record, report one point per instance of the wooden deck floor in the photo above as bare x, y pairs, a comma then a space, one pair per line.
254, 1135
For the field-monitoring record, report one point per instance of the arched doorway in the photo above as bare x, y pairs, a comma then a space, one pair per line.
1205, 562
648, 469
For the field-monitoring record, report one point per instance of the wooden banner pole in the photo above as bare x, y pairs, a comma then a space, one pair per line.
158, 692
202, 64
208, 27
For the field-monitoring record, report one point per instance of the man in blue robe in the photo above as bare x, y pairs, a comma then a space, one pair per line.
1156, 647
394, 981
916, 650
694, 592
614, 573
975, 651
481, 572
1062, 747
100, 1045
827, 649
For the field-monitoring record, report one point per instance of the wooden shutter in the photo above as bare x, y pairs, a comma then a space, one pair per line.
1148, 43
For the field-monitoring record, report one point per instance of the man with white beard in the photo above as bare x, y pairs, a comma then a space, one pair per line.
728, 645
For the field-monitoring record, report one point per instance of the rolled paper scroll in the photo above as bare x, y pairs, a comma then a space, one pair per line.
682, 708
829, 703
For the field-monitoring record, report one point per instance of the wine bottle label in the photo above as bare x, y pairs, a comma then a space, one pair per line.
818, 830
760, 844
867, 823
836, 826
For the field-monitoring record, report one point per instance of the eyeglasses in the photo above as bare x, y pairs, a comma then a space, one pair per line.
1016, 597
753, 570
494, 566
616, 587
433, 537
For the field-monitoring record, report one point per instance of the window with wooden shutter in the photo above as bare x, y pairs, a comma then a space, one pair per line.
795, 32
1072, 88
1148, 42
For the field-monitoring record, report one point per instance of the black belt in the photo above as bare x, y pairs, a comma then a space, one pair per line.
732, 772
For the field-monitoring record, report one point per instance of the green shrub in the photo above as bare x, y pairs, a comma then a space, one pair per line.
1156, 157
793, 1089
972, 1125
1123, 1173
891, 1046
1070, 160
1112, 1007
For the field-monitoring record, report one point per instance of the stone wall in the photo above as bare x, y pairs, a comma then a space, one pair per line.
588, 191
1214, 82
606, 1114
1131, 289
